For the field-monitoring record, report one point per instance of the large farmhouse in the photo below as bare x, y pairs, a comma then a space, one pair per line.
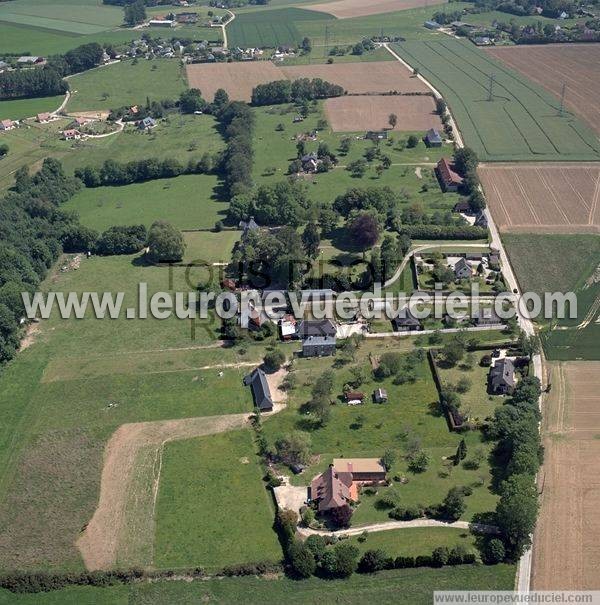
339, 485
449, 179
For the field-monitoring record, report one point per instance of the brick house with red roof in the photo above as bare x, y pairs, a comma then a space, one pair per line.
449, 179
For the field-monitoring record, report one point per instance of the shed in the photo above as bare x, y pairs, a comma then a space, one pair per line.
261, 392
380, 396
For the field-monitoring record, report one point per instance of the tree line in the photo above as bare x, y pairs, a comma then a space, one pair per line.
297, 91
48, 80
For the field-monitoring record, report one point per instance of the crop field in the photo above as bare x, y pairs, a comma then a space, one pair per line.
555, 65
186, 201
363, 77
77, 383
521, 121
238, 79
395, 587
345, 9
126, 83
19, 109
213, 508
272, 28
81, 17
549, 198
565, 554
349, 114
562, 263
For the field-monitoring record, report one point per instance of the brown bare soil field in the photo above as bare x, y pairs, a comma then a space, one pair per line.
345, 9
546, 198
575, 65
349, 114
238, 79
566, 551
365, 77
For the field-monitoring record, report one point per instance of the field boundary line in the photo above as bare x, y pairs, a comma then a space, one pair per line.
595, 197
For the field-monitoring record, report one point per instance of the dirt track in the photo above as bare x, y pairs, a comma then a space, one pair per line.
122, 525
566, 555
345, 9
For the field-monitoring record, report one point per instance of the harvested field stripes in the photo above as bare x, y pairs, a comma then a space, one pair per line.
552, 66
555, 198
501, 115
345, 9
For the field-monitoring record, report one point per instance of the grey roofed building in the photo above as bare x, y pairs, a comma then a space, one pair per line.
261, 392
315, 327
462, 269
433, 138
501, 379
405, 321
318, 346
247, 226
146, 123
481, 220
486, 317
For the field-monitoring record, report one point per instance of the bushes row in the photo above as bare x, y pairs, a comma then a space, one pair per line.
437, 232
137, 171
238, 121
297, 91
377, 560
31, 230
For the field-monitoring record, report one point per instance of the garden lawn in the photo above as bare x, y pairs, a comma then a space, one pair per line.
522, 120
395, 587
210, 247
213, 508
19, 109
187, 202
126, 83
413, 542
476, 402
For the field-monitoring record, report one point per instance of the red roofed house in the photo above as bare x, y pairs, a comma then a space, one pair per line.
332, 490
339, 485
42, 118
71, 134
78, 122
449, 179
7, 125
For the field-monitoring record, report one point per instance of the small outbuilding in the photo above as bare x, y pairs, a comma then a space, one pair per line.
380, 396
146, 123
261, 392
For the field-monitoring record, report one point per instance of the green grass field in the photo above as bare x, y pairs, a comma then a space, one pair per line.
27, 108
213, 508
274, 149
64, 396
520, 123
210, 247
177, 136
411, 542
126, 83
269, 29
561, 263
396, 587
186, 201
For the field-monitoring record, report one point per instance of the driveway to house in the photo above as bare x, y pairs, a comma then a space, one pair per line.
375, 527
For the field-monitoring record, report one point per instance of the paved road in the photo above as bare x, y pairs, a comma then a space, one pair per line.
524, 572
